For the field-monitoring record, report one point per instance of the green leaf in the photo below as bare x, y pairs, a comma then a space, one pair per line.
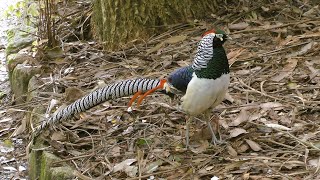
33, 10
143, 141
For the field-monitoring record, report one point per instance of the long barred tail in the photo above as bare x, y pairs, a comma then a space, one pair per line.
112, 91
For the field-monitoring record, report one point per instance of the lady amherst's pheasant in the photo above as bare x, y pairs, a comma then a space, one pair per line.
205, 82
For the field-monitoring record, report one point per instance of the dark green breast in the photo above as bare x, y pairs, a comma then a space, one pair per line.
217, 66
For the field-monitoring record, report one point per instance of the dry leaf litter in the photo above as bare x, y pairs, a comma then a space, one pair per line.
269, 121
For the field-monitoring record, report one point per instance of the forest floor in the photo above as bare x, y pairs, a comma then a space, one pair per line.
270, 120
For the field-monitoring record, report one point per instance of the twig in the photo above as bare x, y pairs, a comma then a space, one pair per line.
272, 27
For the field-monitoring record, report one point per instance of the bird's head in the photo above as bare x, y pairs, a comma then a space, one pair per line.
167, 88
219, 36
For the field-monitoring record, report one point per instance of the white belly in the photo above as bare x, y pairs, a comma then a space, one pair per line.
204, 93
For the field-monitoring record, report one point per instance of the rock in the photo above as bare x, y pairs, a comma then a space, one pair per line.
20, 79
14, 59
18, 39
41, 167
61, 173
33, 88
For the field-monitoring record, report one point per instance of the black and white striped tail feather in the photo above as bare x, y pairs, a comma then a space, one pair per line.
116, 90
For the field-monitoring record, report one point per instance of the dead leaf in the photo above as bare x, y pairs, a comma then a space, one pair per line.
171, 40
120, 166
313, 12
246, 176
278, 126
287, 70
265, 9
238, 26
72, 94
153, 166
155, 48
232, 151
314, 71
115, 151
128, 66
234, 54
21, 128
253, 145
242, 72
203, 146
58, 136
233, 165
270, 105
175, 39
303, 50
58, 145
255, 116
183, 63
242, 117
9, 168
314, 162
243, 148
229, 97
236, 132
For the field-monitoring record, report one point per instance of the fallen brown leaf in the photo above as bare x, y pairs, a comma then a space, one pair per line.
270, 105
303, 50
58, 136
175, 39
287, 70
242, 117
253, 145
236, 132
238, 26
232, 151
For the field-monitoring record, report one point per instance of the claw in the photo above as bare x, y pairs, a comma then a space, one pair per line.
214, 139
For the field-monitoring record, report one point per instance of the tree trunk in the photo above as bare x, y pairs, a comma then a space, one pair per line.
117, 22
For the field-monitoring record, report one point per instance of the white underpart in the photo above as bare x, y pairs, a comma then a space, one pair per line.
204, 93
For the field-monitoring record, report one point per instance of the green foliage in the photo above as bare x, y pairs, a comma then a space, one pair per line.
24, 9
15, 9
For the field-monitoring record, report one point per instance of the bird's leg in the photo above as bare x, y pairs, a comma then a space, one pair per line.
218, 129
188, 119
162, 85
146, 94
134, 97
214, 139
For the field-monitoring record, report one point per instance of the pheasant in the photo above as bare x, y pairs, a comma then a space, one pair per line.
204, 82
137, 87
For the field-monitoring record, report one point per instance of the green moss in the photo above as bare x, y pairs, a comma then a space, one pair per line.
11, 63
34, 165
46, 161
